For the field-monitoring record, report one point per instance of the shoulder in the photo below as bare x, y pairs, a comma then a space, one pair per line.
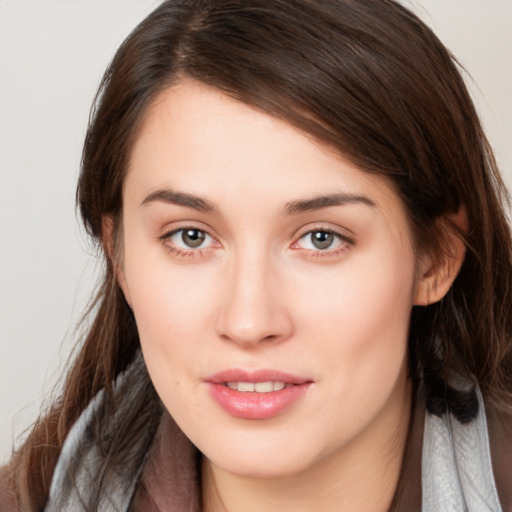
106, 447
500, 440
8, 493
460, 470
81, 463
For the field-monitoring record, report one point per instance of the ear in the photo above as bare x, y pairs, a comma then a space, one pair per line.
436, 277
110, 239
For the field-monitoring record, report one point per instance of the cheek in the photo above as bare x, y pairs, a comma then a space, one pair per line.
170, 309
371, 292
359, 317
359, 326
171, 303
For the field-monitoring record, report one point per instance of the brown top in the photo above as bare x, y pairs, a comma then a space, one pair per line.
8, 499
500, 440
170, 479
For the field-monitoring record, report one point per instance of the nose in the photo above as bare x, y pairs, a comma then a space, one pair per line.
254, 307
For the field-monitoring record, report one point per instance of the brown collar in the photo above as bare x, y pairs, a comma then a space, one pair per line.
170, 480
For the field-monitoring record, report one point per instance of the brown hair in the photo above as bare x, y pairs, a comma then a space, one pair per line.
366, 77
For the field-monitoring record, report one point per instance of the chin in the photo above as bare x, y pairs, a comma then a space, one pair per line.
262, 460
263, 468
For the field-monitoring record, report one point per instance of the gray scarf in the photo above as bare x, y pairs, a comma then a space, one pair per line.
457, 474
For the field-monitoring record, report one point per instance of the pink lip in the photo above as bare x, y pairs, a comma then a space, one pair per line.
256, 406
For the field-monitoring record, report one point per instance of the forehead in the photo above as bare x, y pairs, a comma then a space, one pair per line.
196, 139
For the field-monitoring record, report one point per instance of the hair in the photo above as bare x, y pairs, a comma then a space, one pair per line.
366, 77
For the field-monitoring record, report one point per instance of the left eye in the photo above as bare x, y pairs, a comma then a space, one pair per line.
190, 238
321, 240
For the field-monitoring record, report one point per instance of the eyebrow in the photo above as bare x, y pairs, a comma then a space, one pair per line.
325, 201
168, 195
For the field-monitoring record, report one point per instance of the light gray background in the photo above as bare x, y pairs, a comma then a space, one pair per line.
52, 55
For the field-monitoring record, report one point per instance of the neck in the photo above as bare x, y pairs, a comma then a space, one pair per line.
361, 476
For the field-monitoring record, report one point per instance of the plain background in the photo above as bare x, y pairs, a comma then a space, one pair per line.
52, 56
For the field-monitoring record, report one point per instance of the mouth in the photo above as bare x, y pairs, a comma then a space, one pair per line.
257, 387
256, 395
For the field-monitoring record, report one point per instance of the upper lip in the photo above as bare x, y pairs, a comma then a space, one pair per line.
263, 375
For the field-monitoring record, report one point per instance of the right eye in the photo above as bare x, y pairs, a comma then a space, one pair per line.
189, 239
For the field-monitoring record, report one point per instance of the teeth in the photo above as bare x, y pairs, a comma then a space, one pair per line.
264, 387
246, 386
259, 387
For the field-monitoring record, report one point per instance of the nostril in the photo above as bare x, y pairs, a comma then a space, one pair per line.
249, 317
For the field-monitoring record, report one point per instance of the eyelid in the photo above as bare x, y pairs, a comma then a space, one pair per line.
345, 241
173, 227
342, 232
187, 251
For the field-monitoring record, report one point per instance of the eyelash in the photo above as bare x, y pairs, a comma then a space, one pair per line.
344, 241
182, 252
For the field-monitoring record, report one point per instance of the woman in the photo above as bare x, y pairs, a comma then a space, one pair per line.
306, 300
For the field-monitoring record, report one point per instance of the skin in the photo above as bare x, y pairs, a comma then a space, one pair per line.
258, 293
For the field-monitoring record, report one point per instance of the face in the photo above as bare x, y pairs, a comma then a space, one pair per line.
271, 281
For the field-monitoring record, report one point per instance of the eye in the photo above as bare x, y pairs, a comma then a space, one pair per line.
322, 240
189, 238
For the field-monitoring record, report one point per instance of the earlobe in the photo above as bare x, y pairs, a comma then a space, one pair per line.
110, 241
436, 278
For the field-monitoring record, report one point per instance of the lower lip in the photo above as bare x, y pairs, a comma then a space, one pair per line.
254, 405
